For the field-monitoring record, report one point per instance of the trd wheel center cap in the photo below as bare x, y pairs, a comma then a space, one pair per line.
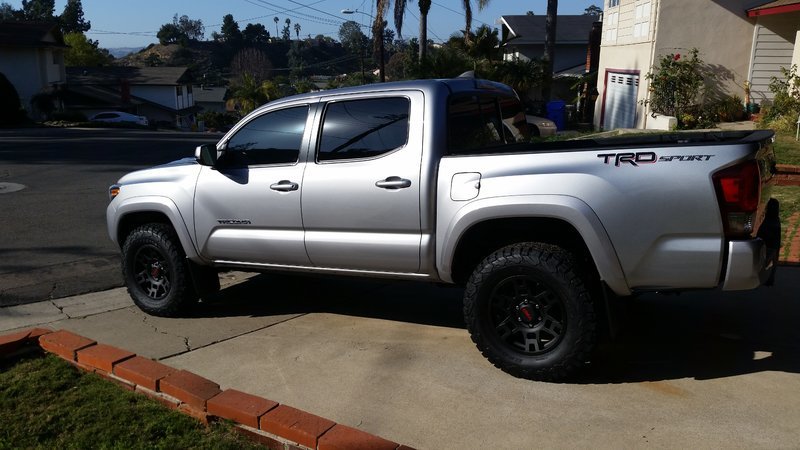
528, 314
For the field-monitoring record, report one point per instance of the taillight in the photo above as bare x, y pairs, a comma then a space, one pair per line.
738, 192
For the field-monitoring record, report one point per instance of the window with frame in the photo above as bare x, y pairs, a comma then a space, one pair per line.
365, 128
641, 26
271, 138
476, 122
613, 3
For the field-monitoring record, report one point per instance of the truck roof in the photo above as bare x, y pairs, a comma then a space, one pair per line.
452, 85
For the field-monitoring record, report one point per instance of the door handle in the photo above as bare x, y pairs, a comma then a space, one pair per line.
393, 183
284, 186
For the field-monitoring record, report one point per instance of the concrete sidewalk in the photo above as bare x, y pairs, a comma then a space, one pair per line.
697, 370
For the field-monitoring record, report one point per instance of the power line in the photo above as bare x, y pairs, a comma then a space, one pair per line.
461, 13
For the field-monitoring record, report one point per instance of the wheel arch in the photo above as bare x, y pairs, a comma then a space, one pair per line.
141, 210
487, 225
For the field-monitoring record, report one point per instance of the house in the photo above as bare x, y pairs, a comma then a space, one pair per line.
162, 94
740, 40
523, 38
210, 98
32, 58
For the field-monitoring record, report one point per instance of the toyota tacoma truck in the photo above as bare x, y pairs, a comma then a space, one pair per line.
437, 180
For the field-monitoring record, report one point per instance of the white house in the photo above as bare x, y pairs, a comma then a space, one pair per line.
31, 57
741, 40
163, 94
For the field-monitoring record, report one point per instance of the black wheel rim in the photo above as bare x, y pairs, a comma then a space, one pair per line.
151, 271
527, 315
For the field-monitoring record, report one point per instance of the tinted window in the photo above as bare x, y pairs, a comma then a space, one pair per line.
476, 122
363, 128
273, 138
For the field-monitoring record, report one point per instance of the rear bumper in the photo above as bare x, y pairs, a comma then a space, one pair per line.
750, 264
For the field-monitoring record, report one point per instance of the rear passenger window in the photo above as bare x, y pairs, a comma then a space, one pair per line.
363, 128
476, 122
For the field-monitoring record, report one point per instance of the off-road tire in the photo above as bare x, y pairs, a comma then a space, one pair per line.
554, 335
155, 272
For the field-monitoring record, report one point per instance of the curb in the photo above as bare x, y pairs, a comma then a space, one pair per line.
279, 427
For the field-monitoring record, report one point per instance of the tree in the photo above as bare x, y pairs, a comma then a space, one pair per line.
297, 29
72, 20
84, 52
255, 34
379, 25
468, 15
253, 62
286, 34
353, 40
39, 10
9, 14
424, 8
276, 20
549, 47
593, 10
249, 93
180, 31
485, 44
229, 31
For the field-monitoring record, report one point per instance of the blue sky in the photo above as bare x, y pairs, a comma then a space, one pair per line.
134, 23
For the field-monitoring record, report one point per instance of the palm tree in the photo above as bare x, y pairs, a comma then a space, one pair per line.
549, 47
424, 7
379, 24
249, 94
276, 20
297, 30
468, 15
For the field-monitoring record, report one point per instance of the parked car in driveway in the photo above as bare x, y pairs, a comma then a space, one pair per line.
119, 116
541, 126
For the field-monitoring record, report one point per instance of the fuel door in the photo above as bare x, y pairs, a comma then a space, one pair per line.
465, 186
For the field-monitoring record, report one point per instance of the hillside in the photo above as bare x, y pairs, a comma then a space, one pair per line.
211, 60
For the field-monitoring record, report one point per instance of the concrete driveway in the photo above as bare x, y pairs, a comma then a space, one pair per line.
698, 370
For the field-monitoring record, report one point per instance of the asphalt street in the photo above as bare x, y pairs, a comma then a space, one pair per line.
53, 238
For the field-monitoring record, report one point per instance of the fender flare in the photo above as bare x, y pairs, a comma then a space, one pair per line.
153, 204
567, 208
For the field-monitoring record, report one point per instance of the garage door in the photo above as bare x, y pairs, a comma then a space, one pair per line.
620, 105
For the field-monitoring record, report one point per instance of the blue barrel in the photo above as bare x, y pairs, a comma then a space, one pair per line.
557, 112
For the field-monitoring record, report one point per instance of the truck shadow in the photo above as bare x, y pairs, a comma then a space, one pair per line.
700, 335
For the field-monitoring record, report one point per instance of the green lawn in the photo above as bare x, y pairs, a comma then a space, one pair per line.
787, 150
46, 403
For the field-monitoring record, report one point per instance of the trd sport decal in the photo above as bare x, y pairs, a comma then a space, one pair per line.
637, 158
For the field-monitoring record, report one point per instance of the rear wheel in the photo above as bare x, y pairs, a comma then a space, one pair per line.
154, 268
529, 312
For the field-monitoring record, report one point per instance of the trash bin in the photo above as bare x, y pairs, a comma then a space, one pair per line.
557, 112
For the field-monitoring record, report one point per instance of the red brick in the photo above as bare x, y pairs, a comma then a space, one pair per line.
240, 407
169, 402
342, 437
200, 415
9, 343
189, 388
256, 436
295, 425
103, 356
142, 371
64, 343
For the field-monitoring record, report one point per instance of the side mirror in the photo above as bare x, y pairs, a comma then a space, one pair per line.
207, 154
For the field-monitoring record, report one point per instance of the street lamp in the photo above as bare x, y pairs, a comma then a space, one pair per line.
379, 37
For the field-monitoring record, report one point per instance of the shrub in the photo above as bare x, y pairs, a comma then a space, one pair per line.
677, 88
11, 112
217, 120
782, 114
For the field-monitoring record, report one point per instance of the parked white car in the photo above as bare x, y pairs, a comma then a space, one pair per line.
119, 116
541, 126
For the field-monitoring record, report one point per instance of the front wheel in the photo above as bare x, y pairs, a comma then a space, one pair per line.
155, 271
529, 312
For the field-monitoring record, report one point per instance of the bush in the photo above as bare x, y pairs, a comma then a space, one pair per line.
217, 120
11, 112
677, 88
730, 109
69, 116
782, 114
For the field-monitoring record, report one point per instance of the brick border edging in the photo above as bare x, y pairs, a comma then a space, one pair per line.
264, 421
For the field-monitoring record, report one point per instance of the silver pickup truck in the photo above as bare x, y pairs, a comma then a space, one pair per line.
437, 180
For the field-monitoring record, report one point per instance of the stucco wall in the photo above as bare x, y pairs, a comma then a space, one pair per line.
22, 69
718, 28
